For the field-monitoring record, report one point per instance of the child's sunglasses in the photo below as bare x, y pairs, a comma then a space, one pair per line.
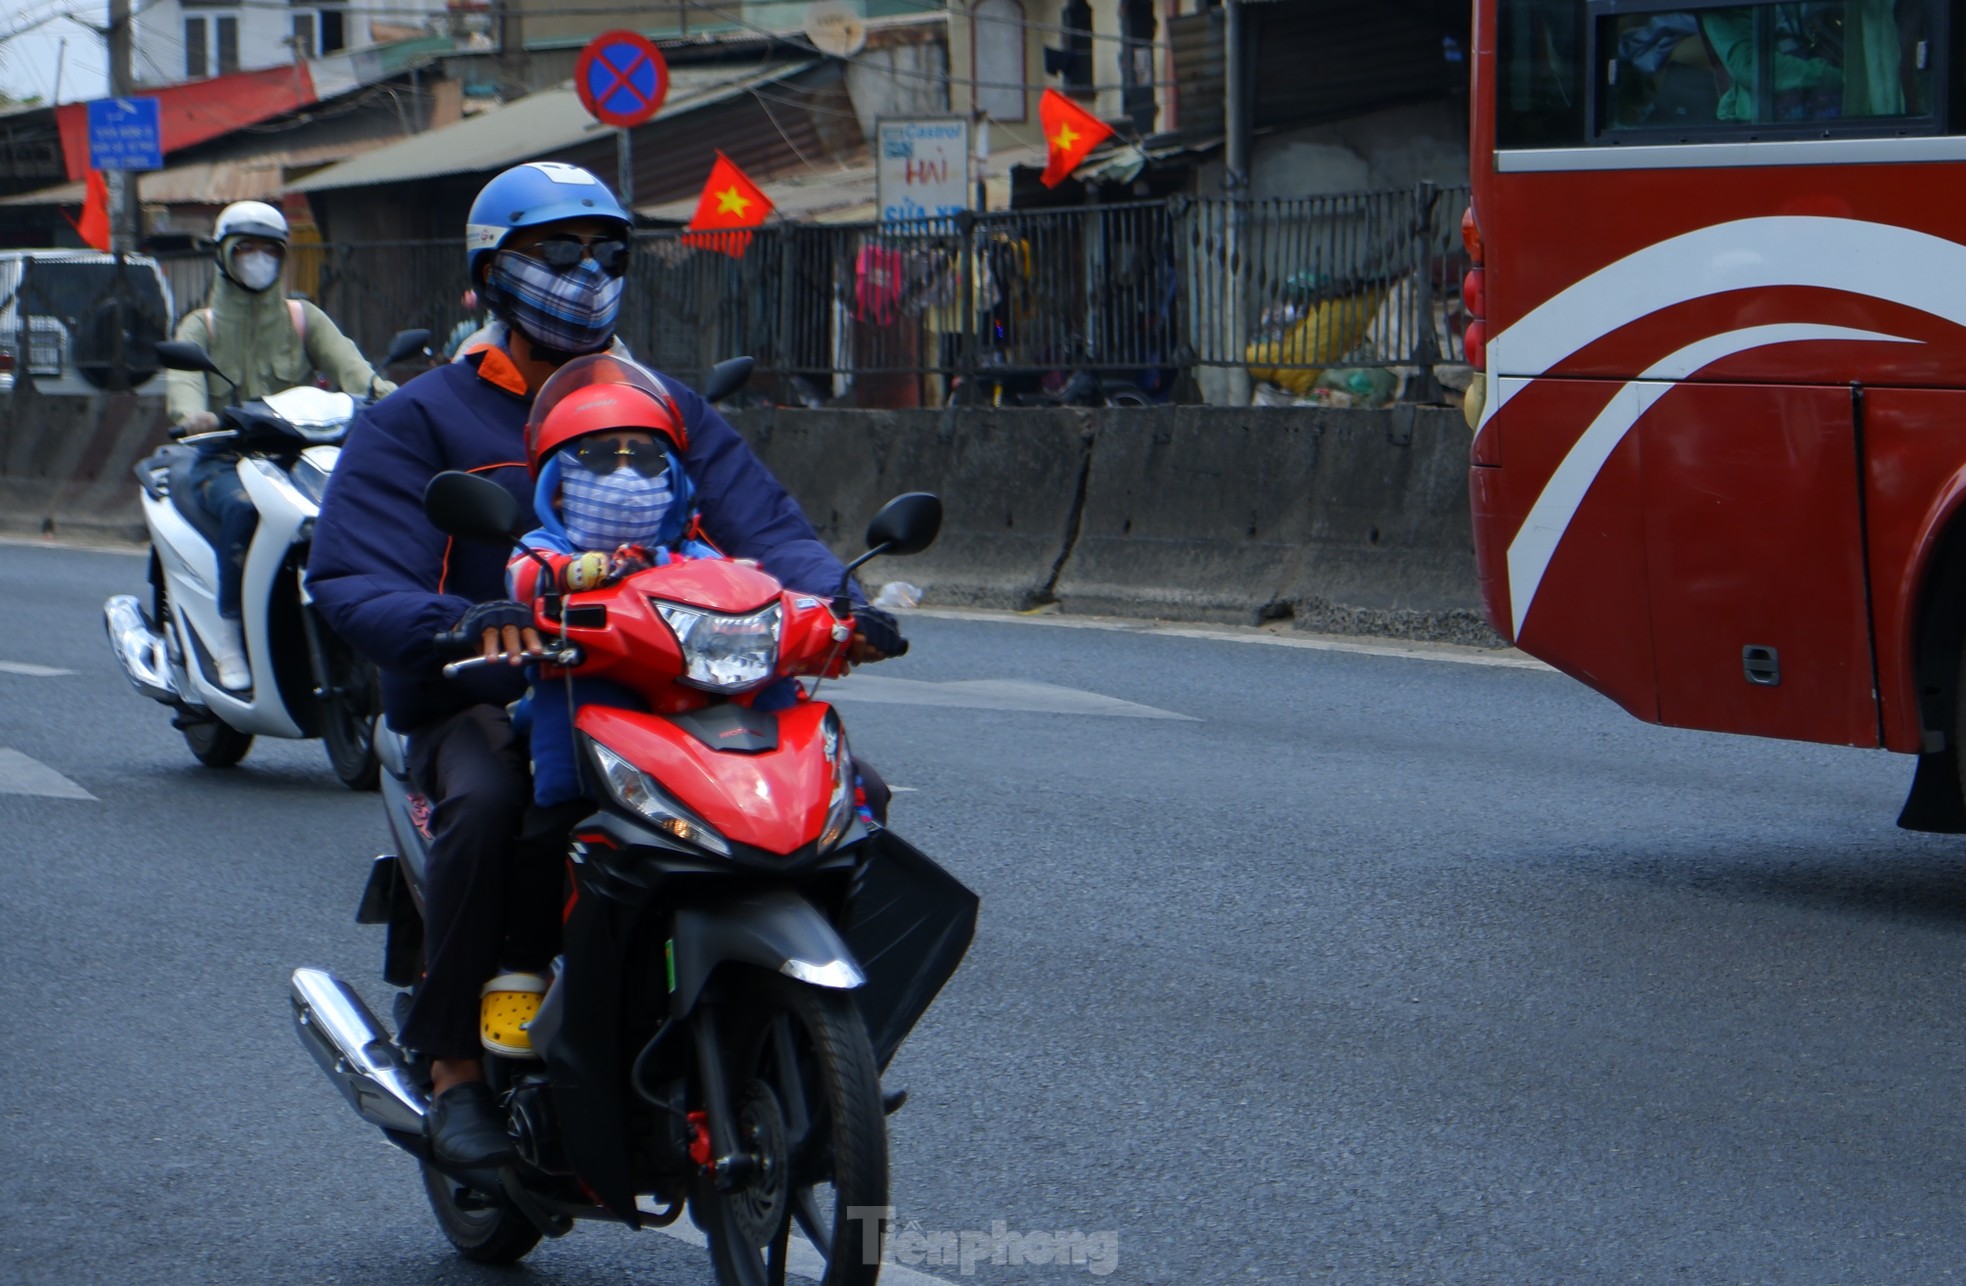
605, 455
564, 252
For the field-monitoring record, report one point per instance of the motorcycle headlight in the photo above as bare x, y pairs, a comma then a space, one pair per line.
724, 653
839, 807
636, 791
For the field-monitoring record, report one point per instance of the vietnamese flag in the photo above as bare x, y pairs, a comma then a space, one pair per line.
93, 226
1070, 134
729, 200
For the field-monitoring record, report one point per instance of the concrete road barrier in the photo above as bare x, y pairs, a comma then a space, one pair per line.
65, 463
1009, 482
1347, 521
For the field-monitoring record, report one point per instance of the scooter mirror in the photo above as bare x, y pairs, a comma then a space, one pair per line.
462, 504
183, 355
726, 377
406, 344
905, 525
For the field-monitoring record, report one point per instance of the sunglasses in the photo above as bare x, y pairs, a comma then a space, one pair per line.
605, 455
564, 252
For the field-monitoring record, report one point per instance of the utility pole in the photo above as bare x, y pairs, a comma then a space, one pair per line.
125, 210
1235, 121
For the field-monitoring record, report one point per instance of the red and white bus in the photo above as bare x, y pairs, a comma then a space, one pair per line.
1719, 469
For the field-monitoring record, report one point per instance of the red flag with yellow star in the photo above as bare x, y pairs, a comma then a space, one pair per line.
1070, 134
729, 200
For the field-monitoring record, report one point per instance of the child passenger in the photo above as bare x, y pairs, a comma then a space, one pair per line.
612, 498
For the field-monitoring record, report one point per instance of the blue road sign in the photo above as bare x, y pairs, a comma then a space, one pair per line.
622, 78
124, 134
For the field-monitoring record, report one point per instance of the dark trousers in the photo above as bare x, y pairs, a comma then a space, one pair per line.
215, 483
491, 895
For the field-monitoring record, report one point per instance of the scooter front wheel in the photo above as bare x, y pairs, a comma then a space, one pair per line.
216, 745
806, 1096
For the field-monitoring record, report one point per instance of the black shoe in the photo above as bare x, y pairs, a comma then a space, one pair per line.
467, 1130
891, 1101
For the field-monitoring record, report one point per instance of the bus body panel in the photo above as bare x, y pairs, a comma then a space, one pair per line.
1668, 465
1753, 541
1603, 636
1916, 449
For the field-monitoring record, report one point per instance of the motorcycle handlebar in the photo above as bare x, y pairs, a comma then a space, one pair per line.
561, 656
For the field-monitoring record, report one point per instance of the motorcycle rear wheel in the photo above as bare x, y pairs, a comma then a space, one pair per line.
807, 1094
348, 718
499, 1235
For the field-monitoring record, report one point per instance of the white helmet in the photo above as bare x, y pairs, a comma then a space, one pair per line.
250, 219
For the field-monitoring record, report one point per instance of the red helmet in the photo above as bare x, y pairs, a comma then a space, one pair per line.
599, 393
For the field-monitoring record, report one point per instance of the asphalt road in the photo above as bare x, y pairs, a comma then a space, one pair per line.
1365, 969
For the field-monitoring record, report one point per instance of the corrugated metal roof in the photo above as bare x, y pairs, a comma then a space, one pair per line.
246, 178
534, 126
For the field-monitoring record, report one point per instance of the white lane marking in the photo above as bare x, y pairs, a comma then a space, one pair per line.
1454, 653
32, 671
805, 1260
1549, 518
37, 542
20, 775
993, 694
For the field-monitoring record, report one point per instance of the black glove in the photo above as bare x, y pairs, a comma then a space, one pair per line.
494, 615
882, 631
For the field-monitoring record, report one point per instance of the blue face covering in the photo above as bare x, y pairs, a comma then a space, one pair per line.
603, 510
572, 311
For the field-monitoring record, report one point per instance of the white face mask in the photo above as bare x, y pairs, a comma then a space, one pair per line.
255, 269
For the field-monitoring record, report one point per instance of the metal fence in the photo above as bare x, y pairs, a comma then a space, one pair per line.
1120, 303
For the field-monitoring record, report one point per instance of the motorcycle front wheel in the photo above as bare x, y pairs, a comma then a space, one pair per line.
348, 716
213, 743
806, 1094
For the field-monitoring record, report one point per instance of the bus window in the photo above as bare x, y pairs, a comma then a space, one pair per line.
1804, 68
1540, 74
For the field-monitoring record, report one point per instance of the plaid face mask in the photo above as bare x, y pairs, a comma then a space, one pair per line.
572, 310
621, 507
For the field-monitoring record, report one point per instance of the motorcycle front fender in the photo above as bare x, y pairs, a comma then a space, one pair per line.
772, 929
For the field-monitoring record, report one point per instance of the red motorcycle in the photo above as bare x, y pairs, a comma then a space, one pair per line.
744, 951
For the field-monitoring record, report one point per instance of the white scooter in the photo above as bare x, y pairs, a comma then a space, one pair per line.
305, 681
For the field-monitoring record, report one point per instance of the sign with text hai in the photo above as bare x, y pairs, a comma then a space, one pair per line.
124, 134
921, 168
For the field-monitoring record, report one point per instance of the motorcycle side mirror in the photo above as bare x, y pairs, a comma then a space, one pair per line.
726, 377
183, 355
906, 524
463, 504
406, 344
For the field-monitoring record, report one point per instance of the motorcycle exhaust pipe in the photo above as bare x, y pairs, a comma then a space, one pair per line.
351, 1047
139, 647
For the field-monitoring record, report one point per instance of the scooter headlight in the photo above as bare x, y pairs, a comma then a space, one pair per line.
725, 653
636, 791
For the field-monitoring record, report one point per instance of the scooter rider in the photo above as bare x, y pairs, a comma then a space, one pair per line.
547, 249
267, 342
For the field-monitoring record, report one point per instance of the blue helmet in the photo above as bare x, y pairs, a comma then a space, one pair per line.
530, 194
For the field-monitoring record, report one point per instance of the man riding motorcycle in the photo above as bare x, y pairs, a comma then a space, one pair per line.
547, 248
267, 342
